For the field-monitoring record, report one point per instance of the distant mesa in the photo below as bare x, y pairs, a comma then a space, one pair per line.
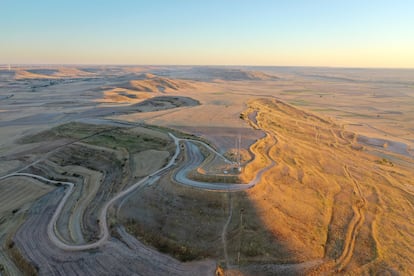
51, 73
221, 74
253, 75
153, 83
228, 74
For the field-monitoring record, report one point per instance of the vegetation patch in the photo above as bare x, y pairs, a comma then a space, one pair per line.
100, 135
73, 130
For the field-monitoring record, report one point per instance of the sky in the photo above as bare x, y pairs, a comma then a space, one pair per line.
337, 33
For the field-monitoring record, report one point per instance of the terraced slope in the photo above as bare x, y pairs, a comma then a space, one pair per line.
16, 196
99, 161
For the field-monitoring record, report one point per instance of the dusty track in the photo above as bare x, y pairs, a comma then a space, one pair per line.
224, 232
355, 224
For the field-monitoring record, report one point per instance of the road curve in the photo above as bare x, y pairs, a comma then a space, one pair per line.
195, 158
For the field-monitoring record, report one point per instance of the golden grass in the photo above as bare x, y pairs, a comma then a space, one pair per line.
324, 199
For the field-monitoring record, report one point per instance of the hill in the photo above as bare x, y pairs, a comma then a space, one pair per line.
153, 83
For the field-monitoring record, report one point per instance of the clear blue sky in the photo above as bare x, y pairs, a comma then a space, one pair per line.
361, 33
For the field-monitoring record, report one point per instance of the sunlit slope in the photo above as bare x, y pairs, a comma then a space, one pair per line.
326, 197
146, 86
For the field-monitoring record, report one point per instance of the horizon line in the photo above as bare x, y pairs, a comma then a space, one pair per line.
200, 65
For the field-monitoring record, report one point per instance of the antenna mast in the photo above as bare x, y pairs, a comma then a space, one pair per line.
238, 143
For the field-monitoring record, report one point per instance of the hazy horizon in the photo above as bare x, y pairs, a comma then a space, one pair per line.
23, 65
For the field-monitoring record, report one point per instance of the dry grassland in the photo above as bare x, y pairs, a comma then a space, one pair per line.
326, 200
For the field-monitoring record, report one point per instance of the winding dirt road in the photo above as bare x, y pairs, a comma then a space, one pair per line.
104, 233
194, 159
